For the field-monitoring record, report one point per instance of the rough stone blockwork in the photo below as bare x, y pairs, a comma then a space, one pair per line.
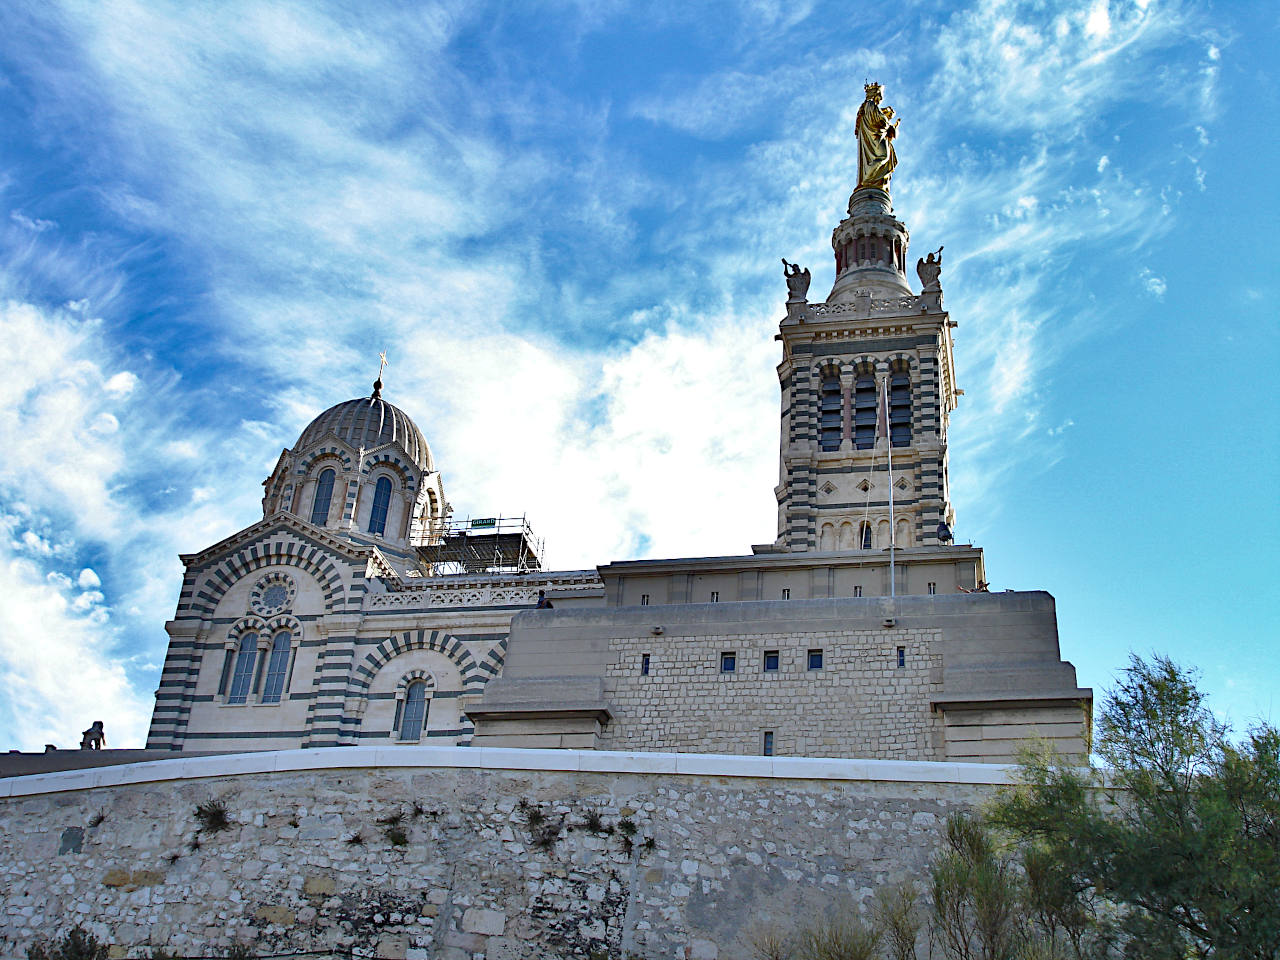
461, 862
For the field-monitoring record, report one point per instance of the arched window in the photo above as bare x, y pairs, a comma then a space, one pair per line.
324, 494
904, 538
242, 679
864, 535
830, 414
900, 406
415, 711
277, 667
381, 501
864, 410
827, 541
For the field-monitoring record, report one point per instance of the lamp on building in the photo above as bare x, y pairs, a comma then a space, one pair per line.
944, 532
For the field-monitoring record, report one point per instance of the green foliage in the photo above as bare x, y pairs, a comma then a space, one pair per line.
355, 840
1179, 843
896, 914
767, 942
239, 951
976, 895
76, 944
843, 938
396, 835
592, 821
627, 827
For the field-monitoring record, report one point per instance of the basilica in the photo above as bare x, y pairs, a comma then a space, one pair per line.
360, 610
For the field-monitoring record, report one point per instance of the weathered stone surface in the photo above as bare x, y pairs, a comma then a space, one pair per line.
393, 947
275, 914
725, 851
491, 923
132, 879
319, 886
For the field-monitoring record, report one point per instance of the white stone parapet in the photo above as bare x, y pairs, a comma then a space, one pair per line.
868, 306
503, 758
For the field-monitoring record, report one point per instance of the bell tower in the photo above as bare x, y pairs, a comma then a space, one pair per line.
871, 338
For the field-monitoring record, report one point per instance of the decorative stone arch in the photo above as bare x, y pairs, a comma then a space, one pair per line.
323, 453
862, 366
827, 537
284, 621
827, 367
414, 676
473, 672
901, 362
249, 623
393, 463
307, 557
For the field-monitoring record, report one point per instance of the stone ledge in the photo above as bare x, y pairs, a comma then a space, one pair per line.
509, 758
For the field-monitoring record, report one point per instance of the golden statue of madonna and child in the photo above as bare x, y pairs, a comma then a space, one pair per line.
877, 130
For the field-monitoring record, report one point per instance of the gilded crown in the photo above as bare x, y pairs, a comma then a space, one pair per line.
872, 90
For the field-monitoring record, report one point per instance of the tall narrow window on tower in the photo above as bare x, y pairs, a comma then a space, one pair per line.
900, 404
830, 412
381, 501
324, 494
864, 409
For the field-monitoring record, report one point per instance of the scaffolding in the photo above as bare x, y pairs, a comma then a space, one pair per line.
482, 545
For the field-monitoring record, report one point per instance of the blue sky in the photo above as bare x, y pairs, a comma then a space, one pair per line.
564, 222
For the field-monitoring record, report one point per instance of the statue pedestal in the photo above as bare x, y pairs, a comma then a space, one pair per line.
870, 201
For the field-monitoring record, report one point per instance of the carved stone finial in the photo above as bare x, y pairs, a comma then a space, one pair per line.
797, 280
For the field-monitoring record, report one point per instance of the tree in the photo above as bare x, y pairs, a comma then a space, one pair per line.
1175, 843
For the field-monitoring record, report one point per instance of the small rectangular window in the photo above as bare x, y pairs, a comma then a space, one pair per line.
728, 662
715, 596
771, 661
902, 656
644, 599
857, 591
768, 743
786, 593
644, 664
815, 659
933, 587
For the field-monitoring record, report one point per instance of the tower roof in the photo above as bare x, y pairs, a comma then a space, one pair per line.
370, 422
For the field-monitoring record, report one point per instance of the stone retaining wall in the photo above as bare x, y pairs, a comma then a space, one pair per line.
463, 853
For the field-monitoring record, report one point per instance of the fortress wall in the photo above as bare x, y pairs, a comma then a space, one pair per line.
721, 845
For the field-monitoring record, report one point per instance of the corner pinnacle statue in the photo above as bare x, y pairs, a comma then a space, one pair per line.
876, 132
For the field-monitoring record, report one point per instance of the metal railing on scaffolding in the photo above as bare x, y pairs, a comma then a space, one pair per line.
481, 545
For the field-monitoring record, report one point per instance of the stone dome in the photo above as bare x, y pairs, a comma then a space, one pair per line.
369, 422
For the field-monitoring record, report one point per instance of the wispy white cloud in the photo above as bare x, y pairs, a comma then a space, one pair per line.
56, 660
1153, 283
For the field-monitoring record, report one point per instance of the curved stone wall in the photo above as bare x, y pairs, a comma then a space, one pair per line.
460, 853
